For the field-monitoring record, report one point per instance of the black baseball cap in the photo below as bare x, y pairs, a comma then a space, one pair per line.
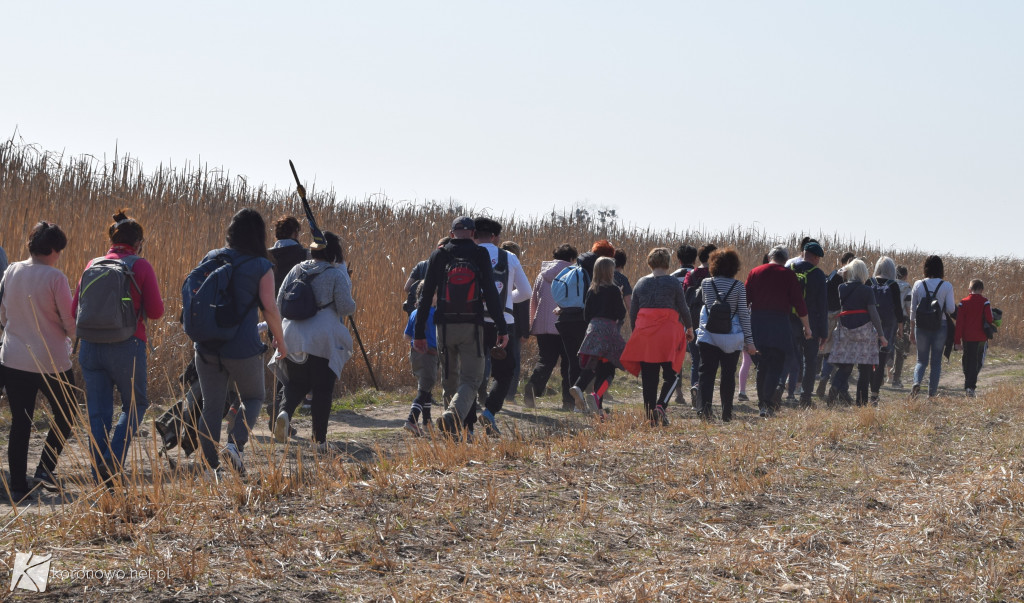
463, 223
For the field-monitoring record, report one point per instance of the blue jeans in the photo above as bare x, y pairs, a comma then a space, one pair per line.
929, 352
106, 366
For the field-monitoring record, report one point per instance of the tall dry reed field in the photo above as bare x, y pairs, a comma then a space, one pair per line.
186, 212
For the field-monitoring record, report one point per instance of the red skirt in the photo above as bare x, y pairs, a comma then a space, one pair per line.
658, 337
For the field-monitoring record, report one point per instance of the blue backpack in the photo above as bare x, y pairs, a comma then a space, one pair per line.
209, 311
569, 287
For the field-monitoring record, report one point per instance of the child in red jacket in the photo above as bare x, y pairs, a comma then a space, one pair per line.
973, 311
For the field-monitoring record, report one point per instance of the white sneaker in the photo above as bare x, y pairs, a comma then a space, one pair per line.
231, 454
577, 397
282, 427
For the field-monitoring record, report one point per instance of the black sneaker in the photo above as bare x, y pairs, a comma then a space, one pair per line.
742, 398
915, 390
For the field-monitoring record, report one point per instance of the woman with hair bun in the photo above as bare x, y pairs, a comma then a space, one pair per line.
35, 313
109, 362
318, 346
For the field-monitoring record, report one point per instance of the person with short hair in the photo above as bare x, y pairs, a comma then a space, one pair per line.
238, 362
122, 364
902, 345
38, 324
834, 280
973, 313
550, 350
521, 314
691, 289
424, 368
929, 343
319, 346
773, 292
286, 252
621, 279
513, 286
722, 350
460, 343
890, 311
805, 351
858, 335
661, 329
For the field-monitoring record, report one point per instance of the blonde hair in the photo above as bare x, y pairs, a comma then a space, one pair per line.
604, 273
856, 270
659, 258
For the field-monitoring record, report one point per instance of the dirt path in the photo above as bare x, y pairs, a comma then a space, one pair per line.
362, 432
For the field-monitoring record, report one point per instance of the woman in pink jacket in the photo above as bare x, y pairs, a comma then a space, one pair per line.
110, 363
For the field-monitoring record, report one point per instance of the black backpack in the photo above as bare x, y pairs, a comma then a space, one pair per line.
883, 301
298, 301
929, 310
460, 296
832, 291
501, 274
720, 312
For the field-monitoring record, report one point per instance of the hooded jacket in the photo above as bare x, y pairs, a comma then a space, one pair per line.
542, 304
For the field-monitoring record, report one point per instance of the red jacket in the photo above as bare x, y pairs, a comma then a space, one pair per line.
972, 310
775, 287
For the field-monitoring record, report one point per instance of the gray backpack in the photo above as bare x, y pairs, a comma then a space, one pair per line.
106, 313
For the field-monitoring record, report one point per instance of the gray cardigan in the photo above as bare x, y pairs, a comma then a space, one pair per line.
323, 335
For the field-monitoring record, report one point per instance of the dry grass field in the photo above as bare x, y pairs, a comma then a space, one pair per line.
186, 212
914, 500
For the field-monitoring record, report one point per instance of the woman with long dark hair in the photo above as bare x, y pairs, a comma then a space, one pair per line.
107, 364
239, 361
318, 346
35, 313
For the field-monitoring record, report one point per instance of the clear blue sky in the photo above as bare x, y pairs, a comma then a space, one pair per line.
900, 122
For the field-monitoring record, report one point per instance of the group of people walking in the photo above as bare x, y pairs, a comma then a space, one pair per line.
798, 324
471, 305
106, 316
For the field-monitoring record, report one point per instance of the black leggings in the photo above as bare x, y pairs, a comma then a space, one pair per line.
22, 387
649, 377
597, 371
711, 358
313, 375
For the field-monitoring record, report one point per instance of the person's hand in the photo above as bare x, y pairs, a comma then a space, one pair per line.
690, 336
751, 349
882, 341
420, 345
807, 333
282, 349
502, 341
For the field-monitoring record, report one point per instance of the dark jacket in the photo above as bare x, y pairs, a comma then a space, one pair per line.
285, 258
815, 296
464, 249
606, 302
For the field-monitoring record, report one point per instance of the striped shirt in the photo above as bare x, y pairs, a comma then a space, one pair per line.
737, 300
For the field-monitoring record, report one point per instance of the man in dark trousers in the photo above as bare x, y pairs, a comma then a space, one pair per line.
816, 298
461, 275
286, 253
